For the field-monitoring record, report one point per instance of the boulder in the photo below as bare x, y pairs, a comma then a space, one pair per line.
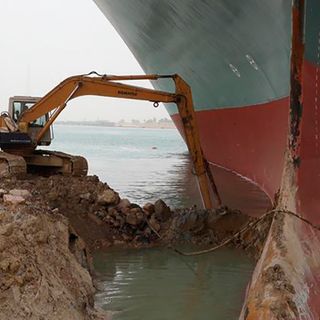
135, 210
162, 211
154, 224
132, 219
124, 205
85, 196
108, 197
21, 193
13, 200
140, 217
148, 208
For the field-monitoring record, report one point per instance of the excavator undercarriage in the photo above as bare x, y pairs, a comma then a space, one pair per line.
42, 162
55, 162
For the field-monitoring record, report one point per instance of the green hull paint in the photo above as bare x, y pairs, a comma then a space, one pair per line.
232, 53
312, 31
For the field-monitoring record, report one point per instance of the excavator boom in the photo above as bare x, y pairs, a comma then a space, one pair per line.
77, 86
56, 100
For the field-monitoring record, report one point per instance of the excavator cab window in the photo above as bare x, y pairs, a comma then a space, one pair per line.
21, 106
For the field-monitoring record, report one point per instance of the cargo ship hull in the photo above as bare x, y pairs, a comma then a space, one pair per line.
240, 84
258, 118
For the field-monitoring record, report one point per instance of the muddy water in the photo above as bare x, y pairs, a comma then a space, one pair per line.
157, 284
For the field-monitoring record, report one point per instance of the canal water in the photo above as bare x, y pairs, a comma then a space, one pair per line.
155, 284
141, 164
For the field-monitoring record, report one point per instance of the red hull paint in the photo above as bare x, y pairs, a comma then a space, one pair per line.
308, 200
245, 147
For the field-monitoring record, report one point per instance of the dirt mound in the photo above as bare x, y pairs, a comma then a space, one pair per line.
102, 218
40, 278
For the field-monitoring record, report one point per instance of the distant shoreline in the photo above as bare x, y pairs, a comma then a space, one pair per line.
143, 125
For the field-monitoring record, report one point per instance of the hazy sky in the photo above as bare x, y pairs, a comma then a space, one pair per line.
45, 41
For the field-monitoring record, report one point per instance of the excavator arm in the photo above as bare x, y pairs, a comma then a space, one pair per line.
56, 100
77, 86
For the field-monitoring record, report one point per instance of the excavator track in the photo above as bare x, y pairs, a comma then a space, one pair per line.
56, 162
78, 165
11, 164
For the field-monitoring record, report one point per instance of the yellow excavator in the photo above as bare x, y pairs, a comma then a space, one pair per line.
28, 124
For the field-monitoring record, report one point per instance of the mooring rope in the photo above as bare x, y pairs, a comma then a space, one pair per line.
248, 226
244, 229
225, 242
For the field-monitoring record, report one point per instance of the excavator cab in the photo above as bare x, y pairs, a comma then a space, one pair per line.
19, 154
19, 104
